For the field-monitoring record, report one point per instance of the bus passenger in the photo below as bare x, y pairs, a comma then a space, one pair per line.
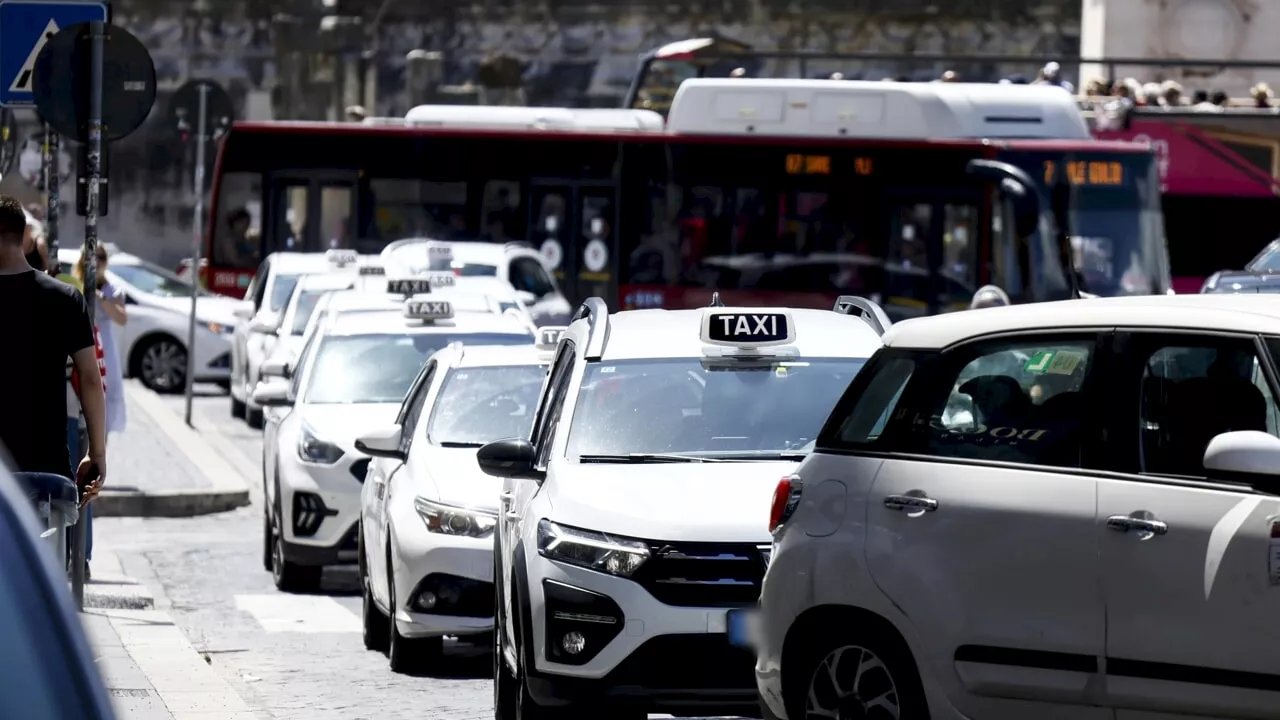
240, 245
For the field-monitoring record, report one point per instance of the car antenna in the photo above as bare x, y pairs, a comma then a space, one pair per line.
715, 300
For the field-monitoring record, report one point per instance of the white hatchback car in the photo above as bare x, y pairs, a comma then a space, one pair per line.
153, 343
427, 511
631, 542
1061, 510
352, 376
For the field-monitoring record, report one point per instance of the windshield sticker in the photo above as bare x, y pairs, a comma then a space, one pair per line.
1064, 363
1039, 362
607, 369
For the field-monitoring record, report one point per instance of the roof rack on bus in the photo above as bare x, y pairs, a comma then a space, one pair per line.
870, 312
529, 118
880, 110
596, 313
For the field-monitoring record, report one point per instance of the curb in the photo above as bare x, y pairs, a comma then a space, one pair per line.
227, 490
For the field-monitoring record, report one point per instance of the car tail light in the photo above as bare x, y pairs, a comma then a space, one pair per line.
785, 499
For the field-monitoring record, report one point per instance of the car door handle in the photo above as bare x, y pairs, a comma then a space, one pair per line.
911, 503
1127, 523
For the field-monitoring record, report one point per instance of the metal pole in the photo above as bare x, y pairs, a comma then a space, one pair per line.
97, 39
196, 246
52, 181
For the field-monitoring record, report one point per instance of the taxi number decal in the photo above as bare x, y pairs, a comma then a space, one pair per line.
744, 327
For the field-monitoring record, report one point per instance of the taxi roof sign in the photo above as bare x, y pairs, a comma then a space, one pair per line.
549, 336
372, 270
428, 310
749, 328
341, 257
420, 285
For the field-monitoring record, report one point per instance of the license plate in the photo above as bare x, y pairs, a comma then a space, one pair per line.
739, 624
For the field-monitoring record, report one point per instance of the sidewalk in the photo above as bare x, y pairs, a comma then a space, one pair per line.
150, 669
160, 467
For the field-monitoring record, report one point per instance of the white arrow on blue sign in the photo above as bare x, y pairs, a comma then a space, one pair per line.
25, 27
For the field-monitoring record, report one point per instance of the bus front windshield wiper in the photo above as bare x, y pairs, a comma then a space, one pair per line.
646, 458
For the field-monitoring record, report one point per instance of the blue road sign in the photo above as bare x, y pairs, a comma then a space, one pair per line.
24, 29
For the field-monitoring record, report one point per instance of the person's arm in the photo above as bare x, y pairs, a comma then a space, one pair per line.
79, 342
113, 303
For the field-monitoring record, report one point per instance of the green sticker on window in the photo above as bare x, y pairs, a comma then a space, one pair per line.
1039, 362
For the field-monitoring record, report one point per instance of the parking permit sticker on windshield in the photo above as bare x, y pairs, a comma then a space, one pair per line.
1064, 363
1038, 362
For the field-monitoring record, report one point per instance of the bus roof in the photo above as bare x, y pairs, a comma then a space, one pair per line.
530, 118
879, 110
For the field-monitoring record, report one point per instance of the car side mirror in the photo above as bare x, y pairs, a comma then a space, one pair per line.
383, 443
272, 393
266, 326
1243, 456
245, 310
275, 369
513, 458
526, 297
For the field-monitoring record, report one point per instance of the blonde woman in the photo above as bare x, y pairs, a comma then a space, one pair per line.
109, 311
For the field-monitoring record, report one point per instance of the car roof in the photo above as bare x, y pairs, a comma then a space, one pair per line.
640, 334
326, 281
384, 322
1233, 313
468, 251
503, 356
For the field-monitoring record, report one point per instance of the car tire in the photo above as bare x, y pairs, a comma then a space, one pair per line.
267, 545
891, 678
290, 577
160, 362
238, 408
407, 655
253, 417
375, 623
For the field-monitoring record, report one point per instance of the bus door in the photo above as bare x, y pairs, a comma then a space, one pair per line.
932, 254
573, 225
311, 212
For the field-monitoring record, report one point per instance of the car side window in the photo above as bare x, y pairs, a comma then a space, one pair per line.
1018, 401
870, 401
552, 402
300, 365
259, 290
528, 275
412, 409
1193, 389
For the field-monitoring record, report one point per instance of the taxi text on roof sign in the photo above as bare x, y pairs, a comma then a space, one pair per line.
749, 328
419, 285
549, 335
428, 310
372, 270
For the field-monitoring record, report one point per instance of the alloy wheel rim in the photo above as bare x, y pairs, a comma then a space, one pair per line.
165, 364
852, 683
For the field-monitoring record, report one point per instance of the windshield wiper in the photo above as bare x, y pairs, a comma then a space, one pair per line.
461, 444
647, 458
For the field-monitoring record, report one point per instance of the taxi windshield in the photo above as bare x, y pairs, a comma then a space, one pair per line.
481, 404
357, 369
418, 258
717, 409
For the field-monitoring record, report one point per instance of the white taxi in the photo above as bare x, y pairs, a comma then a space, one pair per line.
261, 312
352, 375
1061, 510
427, 511
631, 543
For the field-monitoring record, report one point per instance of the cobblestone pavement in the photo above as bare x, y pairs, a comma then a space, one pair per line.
289, 656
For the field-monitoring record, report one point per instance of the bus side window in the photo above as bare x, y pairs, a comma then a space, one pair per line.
237, 231
500, 211
1008, 251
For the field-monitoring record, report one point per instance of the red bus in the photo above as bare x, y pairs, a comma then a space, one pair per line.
741, 194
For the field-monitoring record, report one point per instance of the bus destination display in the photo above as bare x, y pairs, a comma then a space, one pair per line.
1100, 173
798, 164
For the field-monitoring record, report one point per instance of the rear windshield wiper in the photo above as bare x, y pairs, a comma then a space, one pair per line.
646, 458
461, 444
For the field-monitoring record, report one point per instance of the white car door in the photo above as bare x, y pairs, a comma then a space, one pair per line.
1189, 565
980, 541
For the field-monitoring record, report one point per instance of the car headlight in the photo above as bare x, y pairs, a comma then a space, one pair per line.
450, 520
314, 450
219, 328
593, 550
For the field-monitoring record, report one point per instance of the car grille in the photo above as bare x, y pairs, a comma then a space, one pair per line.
359, 468
704, 574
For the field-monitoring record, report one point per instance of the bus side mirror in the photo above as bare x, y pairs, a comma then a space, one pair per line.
1017, 186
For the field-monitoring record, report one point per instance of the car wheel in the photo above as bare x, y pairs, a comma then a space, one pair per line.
290, 577
268, 548
863, 674
375, 623
237, 407
162, 365
407, 655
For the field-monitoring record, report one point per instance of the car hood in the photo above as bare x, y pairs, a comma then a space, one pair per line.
457, 480
208, 309
341, 424
708, 502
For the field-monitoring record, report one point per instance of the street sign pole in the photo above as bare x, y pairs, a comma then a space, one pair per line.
196, 244
52, 154
97, 41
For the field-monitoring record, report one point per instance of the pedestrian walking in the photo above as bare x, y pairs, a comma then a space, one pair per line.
43, 322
